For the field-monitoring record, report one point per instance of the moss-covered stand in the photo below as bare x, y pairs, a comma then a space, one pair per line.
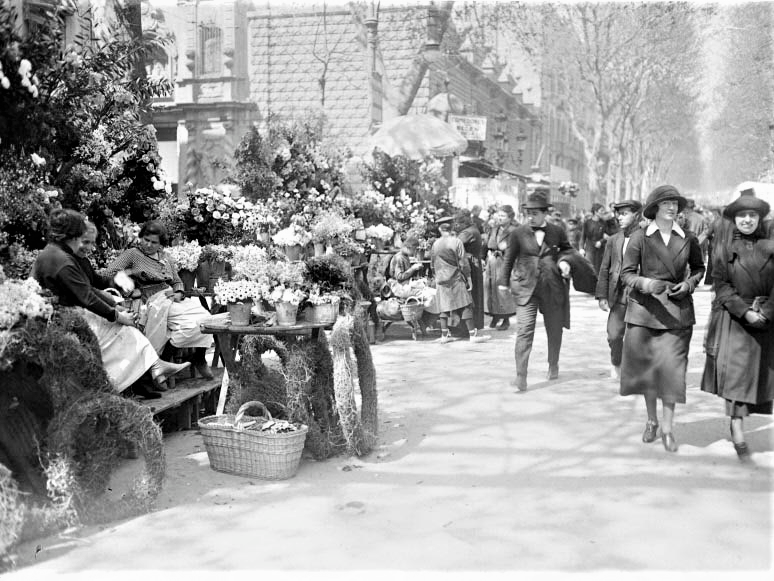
313, 381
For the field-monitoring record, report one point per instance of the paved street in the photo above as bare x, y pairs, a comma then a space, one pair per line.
472, 476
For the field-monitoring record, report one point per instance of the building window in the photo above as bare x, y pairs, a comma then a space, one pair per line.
210, 48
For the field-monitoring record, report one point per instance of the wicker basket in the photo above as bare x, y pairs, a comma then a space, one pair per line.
235, 450
412, 309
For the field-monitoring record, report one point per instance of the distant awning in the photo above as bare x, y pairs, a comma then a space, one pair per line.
478, 167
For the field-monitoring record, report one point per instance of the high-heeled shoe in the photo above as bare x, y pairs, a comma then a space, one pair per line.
742, 450
669, 442
651, 431
161, 369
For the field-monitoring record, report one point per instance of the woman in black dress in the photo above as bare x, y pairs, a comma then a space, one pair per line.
740, 337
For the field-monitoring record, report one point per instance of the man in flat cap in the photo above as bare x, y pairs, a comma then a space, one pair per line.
611, 293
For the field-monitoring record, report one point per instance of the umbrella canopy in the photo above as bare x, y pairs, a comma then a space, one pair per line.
417, 136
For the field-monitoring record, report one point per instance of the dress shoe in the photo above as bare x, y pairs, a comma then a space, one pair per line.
478, 339
651, 432
139, 388
504, 325
669, 442
553, 373
493, 323
742, 450
520, 382
163, 369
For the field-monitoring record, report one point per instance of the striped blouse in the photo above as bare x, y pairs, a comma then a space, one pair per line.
146, 270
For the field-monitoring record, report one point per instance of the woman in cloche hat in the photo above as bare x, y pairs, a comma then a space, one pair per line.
740, 337
661, 266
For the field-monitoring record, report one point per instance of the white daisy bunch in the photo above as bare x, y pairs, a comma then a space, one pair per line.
380, 231
20, 299
316, 297
185, 256
239, 291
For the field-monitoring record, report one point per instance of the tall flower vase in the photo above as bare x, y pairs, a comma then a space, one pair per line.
319, 248
286, 314
188, 277
240, 313
294, 252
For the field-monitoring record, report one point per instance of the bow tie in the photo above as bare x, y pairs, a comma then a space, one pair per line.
536, 228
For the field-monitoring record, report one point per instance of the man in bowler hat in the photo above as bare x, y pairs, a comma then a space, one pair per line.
535, 271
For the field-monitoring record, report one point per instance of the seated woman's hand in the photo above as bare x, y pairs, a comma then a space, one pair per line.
178, 296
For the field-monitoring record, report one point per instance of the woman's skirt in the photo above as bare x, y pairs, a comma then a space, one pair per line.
126, 352
176, 322
655, 359
498, 302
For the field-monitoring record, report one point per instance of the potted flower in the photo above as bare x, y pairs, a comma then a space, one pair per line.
380, 235
238, 296
323, 305
261, 221
347, 248
185, 256
285, 300
327, 226
213, 264
292, 239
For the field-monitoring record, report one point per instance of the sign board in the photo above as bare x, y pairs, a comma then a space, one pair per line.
472, 128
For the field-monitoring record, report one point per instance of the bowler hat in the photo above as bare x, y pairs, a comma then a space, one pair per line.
662, 194
444, 220
536, 201
633, 204
747, 201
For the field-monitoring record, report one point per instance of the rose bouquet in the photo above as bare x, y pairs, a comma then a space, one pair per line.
239, 291
21, 299
380, 232
292, 235
185, 256
283, 294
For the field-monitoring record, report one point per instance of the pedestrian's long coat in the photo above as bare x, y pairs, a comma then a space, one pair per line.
498, 302
740, 359
452, 271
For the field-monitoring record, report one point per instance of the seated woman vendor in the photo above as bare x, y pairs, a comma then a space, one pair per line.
401, 267
171, 317
126, 352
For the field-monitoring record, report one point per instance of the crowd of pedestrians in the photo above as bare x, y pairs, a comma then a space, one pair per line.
642, 262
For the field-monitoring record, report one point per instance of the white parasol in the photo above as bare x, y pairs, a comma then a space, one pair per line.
417, 136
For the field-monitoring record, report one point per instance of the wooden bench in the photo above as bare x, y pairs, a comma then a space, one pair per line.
180, 408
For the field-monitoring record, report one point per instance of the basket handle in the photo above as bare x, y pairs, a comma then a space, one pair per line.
249, 405
412, 301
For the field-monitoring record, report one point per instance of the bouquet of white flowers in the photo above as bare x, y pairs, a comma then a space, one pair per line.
283, 273
238, 291
283, 294
185, 256
318, 297
22, 298
381, 232
250, 262
329, 224
292, 235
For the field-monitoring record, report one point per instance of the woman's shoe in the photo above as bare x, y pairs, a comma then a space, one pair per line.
200, 363
163, 369
651, 432
504, 325
493, 322
742, 450
669, 442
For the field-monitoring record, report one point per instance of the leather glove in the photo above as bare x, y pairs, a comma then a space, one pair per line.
755, 319
654, 286
679, 291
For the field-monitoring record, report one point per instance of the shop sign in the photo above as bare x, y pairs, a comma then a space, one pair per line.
472, 128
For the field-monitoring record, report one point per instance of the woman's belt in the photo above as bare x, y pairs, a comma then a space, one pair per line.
148, 290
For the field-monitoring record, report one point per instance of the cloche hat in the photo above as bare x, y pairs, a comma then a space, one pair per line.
662, 194
747, 201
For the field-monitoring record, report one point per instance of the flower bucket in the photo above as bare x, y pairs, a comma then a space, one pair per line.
188, 277
209, 272
294, 252
286, 314
319, 248
326, 313
240, 313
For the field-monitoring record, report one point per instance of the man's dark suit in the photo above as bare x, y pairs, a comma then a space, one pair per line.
536, 282
611, 288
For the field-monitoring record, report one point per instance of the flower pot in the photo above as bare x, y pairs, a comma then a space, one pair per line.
329, 250
265, 238
319, 248
209, 272
240, 313
326, 313
294, 252
189, 279
286, 314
